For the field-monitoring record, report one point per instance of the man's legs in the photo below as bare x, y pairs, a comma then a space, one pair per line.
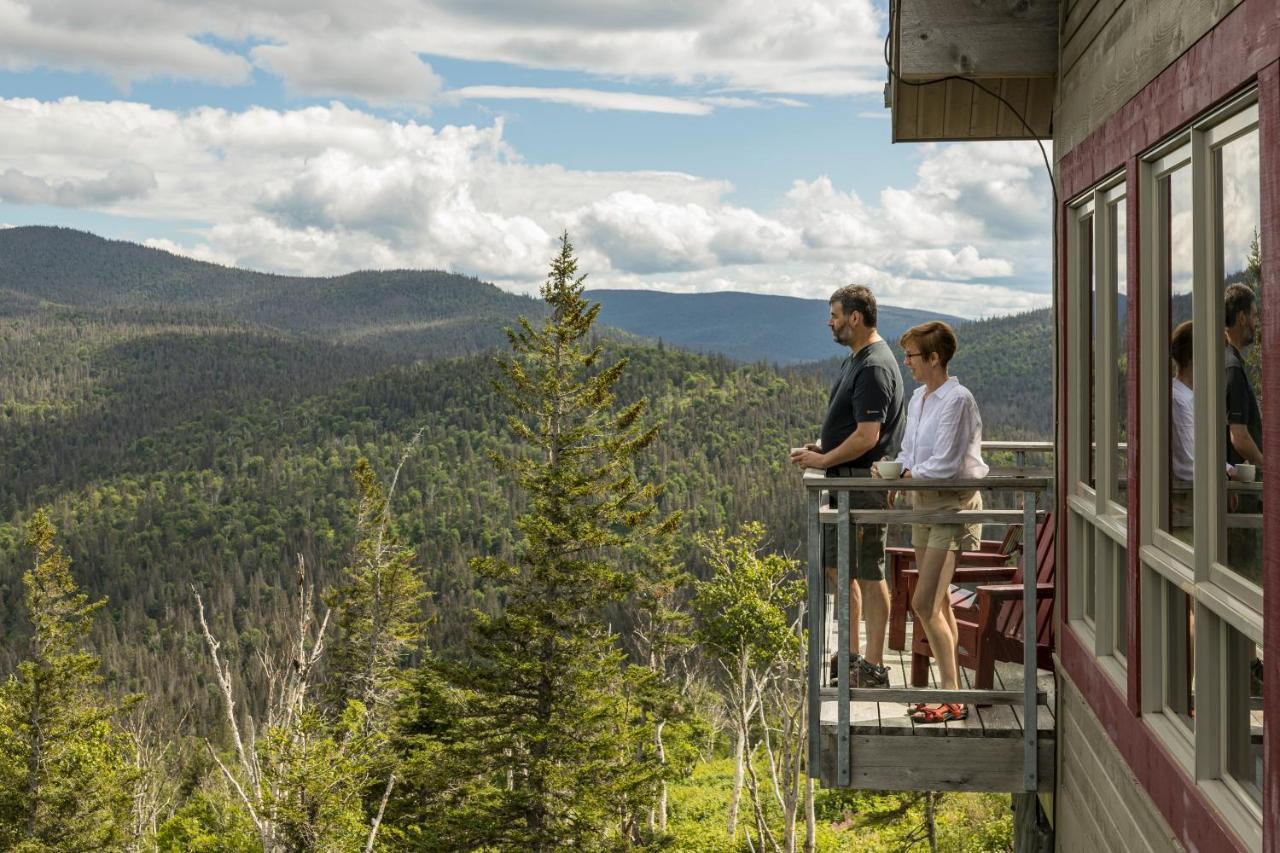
875, 599
855, 607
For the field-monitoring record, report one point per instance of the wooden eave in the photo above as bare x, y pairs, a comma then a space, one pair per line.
1009, 47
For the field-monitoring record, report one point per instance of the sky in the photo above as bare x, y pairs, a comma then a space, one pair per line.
684, 146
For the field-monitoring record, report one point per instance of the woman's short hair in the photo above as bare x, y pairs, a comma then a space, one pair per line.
1180, 345
928, 338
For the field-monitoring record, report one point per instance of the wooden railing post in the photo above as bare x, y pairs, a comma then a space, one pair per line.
1030, 620
842, 642
817, 633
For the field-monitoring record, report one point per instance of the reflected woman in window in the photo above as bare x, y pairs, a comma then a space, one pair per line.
1182, 432
942, 441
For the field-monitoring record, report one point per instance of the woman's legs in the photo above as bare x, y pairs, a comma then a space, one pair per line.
932, 604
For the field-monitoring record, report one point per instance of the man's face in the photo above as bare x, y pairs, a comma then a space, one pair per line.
1251, 325
841, 324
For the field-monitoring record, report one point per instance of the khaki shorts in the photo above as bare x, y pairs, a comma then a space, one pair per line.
946, 537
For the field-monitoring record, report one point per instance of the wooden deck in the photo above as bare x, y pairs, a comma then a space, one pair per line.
889, 751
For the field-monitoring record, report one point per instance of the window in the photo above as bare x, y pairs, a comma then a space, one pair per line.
1097, 382
1201, 522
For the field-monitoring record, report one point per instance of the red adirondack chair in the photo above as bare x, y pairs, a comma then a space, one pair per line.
990, 627
991, 553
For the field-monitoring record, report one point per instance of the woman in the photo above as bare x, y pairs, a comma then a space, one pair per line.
943, 441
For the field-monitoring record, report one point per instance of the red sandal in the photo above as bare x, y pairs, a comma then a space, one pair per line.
941, 714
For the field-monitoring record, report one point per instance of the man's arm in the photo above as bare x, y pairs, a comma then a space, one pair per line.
1244, 444
859, 441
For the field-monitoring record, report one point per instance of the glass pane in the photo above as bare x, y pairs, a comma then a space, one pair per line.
1173, 233
1180, 632
1120, 275
1090, 287
1238, 268
1122, 601
1089, 574
1244, 713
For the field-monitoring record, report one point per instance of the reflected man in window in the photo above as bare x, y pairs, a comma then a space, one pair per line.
1244, 431
1244, 418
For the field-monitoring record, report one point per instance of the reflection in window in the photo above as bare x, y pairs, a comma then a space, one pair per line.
1091, 287
1179, 676
1244, 713
1238, 267
1119, 274
1173, 228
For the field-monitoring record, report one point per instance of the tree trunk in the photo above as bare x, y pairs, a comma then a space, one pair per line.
739, 754
810, 818
662, 783
931, 819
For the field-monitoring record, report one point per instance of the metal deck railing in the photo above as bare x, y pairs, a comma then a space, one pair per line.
843, 519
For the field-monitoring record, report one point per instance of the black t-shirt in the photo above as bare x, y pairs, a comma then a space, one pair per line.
1242, 404
869, 388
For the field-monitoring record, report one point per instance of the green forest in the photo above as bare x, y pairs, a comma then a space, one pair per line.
338, 564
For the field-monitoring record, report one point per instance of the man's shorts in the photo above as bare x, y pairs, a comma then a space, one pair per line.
865, 540
946, 537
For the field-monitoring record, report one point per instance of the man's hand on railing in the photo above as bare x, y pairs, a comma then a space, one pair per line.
809, 456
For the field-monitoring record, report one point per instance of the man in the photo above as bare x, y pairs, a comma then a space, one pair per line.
1244, 424
1244, 419
864, 424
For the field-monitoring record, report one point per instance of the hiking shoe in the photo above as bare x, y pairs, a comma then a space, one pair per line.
871, 675
855, 666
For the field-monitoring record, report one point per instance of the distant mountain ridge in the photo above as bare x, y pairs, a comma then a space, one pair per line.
407, 312
746, 326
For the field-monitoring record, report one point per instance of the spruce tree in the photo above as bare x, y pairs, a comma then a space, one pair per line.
540, 754
378, 609
64, 770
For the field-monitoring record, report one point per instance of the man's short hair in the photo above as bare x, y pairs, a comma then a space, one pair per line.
855, 297
1180, 345
1239, 298
928, 338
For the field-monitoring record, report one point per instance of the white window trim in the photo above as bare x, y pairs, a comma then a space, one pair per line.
1222, 601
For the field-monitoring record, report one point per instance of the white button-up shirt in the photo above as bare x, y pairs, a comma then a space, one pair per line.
943, 438
1182, 430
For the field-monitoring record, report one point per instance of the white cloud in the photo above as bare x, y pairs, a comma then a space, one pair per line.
593, 99
377, 69
200, 252
324, 190
123, 181
372, 49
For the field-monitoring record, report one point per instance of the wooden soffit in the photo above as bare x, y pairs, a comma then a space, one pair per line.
1009, 47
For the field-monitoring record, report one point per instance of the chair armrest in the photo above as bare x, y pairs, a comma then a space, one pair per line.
982, 558
1013, 591
984, 574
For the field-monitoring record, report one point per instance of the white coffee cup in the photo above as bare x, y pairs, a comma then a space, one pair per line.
888, 469
1246, 473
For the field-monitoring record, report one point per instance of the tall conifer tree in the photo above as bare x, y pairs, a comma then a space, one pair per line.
542, 707
64, 770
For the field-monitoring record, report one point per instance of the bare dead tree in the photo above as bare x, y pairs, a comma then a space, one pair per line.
288, 678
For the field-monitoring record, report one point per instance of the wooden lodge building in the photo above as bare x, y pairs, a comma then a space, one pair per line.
1129, 709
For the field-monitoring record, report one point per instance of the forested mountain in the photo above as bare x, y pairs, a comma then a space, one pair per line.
411, 313
193, 429
746, 326
178, 452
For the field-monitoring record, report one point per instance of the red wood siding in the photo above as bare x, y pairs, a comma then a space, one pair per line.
1242, 48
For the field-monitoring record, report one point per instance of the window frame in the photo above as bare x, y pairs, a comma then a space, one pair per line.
1227, 607
1097, 526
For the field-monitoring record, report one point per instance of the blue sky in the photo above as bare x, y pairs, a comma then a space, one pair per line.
729, 145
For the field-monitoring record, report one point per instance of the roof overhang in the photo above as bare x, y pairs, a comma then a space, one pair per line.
1008, 47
